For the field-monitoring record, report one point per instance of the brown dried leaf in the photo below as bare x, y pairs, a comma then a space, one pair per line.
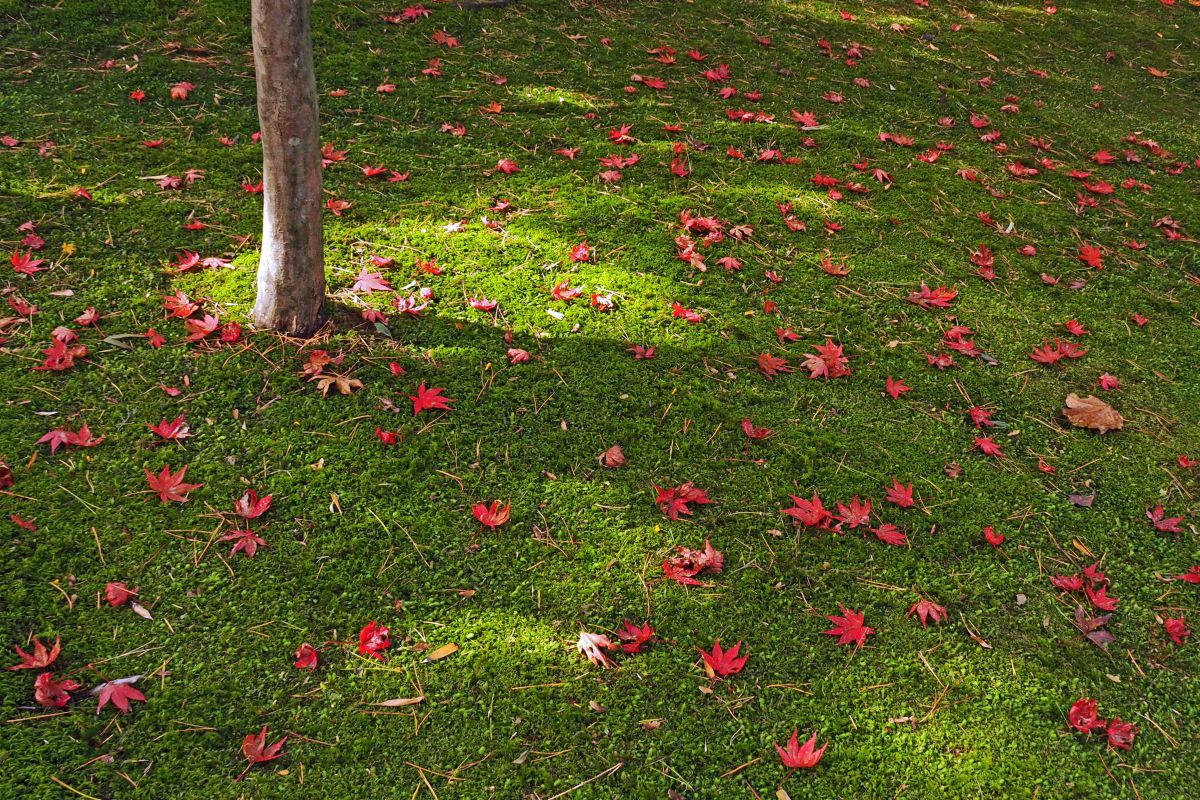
343, 383
397, 702
442, 652
1092, 412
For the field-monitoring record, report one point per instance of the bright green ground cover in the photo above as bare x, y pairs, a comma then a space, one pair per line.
361, 532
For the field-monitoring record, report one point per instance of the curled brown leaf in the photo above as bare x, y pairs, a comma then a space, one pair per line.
1092, 412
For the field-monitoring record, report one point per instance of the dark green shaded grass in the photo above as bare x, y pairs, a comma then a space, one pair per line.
923, 712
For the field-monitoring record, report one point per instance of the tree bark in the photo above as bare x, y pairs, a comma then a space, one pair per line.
291, 272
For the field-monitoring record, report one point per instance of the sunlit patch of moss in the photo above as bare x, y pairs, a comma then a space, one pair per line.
558, 97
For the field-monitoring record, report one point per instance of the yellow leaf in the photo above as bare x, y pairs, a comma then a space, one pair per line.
442, 652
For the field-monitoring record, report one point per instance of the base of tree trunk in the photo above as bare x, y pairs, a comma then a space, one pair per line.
291, 274
287, 318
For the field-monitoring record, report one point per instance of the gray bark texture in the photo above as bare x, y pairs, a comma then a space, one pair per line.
291, 273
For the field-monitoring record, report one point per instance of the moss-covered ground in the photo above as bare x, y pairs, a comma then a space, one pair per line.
974, 706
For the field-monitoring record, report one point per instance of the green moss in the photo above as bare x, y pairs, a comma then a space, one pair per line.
361, 532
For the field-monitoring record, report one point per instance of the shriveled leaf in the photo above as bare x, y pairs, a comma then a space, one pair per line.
1092, 412
400, 702
122, 339
613, 457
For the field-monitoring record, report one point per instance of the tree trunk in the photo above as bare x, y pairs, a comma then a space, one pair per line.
291, 273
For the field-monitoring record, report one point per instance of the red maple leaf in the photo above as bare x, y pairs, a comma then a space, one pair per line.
981, 417
179, 305
927, 298
245, 540
831, 268
41, 657
674, 502
25, 263
50, 693
429, 398
1176, 628
723, 663
170, 487
1100, 599
199, 329
59, 437
1121, 734
306, 657
849, 628
684, 568
1084, 716
927, 610
633, 637
492, 516
56, 438
117, 593
256, 750
827, 362
855, 514
83, 437
756, 433
988, 447
373, 638
809, 512
797, 756
890, 534
688, 314
1066, 583
1092, 256
896, 387
1162, 522
564, 291
899, 494
368, 282
175, 430
771, 365
120, 693
251, 506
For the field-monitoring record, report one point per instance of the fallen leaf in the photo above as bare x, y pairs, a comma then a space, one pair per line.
442, 652
1092, 412
613, 457
399, 702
